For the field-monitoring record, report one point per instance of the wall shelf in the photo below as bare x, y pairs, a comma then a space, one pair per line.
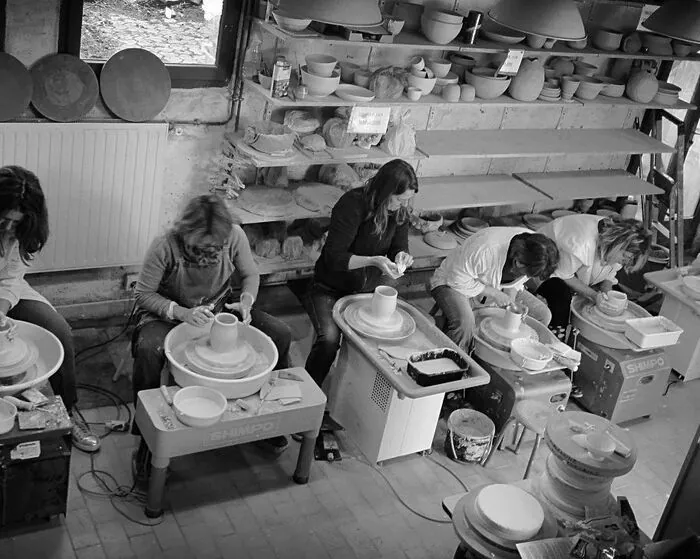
588, 184
626, 101
536, 143
416, 41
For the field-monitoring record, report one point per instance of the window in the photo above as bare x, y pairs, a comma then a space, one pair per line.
196, 39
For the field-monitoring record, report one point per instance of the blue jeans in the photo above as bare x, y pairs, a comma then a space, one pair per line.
39, 313
319, 303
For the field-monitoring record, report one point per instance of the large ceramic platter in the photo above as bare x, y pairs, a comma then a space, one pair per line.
400, 326
202, 358
354, 93
474, 534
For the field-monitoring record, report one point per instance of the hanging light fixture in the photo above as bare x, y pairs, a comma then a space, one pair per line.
554, 19
678, 19
349, 13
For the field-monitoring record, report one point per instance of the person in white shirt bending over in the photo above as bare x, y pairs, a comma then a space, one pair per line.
593, 249
491, 268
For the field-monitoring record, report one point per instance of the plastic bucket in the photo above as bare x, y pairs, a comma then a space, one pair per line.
469, 436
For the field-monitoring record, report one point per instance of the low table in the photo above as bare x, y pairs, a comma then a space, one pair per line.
168, 438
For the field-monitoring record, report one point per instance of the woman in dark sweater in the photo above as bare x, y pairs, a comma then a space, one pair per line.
367, 244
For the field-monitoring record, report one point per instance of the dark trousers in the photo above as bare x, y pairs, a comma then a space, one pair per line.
558, 296
149, 351
318, 303
39, 313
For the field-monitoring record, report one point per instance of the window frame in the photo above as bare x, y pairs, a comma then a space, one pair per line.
3, 23
181, 75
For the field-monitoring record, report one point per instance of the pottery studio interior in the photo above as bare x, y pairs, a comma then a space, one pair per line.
349, 278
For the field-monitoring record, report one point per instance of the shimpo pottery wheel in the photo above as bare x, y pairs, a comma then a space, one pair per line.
180, 344
603, 329
35, 355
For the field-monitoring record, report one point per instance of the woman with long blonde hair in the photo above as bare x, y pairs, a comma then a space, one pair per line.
367, 241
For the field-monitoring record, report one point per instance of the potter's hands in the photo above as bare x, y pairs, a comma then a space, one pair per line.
403, 260
198, 316
243, 307
7, 326
600, 298
497, 296
386, 266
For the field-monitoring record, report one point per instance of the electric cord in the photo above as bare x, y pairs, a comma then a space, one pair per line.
112, 339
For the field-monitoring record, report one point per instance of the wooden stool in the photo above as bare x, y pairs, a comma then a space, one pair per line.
533, 416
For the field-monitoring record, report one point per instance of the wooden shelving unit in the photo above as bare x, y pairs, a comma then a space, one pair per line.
536, 143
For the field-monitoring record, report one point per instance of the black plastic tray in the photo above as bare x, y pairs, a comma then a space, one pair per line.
438, 378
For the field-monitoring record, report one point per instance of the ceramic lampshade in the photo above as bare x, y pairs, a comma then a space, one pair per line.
679, 19
556, 19
350, 13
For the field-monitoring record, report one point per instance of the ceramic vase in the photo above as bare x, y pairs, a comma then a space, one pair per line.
528, 82
224, 332
642, 86
384, 302
514, 316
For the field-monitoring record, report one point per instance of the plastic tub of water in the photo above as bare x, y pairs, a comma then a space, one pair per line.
199, 406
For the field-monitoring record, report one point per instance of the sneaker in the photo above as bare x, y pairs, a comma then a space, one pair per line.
82, 437
298, 437
576, 392
276, 444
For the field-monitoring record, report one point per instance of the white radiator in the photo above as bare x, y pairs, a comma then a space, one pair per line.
103, 184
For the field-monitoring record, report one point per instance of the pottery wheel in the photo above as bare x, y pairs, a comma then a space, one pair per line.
399, 326
499, 337
267, 202
15, 362
606, 321
234, 364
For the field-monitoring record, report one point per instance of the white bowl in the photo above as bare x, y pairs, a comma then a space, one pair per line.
290, 23
8, 412
320, 86
321, 64
426, 85
530, 354
440, 67
486, 86
439, 32
199, 406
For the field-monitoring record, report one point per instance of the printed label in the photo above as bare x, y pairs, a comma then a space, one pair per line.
26, 451
236, 433
646, 364
369, 120
511, 64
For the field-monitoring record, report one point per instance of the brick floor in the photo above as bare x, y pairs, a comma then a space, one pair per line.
239, 503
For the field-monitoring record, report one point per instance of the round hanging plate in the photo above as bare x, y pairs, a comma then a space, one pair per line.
15, 87
135, 85
65, 87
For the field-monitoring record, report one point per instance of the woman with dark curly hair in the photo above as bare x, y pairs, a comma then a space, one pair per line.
593, 250
367, 245
24, 230
491, 267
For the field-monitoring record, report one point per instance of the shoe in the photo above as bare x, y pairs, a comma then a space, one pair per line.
576, 392
276, 444
82, 437
298, 437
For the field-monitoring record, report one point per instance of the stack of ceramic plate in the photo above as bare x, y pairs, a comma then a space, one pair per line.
398, 326
465, 227
535, 221
550, 92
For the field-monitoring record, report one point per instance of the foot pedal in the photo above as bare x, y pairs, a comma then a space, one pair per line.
327, 447
330, 425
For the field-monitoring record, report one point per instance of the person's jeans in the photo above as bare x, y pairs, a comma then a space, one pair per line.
319, 303
558, 296
39, 313
458, 313
149, 350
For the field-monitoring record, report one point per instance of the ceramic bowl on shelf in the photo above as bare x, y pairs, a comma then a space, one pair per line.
584, 68
450, 79
607, 39
347, 71
444, 16
199, 406
289, 23
413, 93
530, 354
577, 45
439, 32
681, 48
486, 86
354, 93
425, 85
499, 34
265, 81
589, 88
8, 413
665, 98
612, 87
320, 86
439, 66
321, 64
461, 63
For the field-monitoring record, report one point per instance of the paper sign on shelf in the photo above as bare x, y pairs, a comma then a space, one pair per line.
647, 10
512, 62
369, 120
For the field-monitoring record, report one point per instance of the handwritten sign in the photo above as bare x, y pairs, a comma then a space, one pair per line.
369, 120
647, 10
511, 64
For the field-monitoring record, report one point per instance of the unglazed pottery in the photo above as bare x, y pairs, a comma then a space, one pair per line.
528, 82
642, 87
384, 302
224, 332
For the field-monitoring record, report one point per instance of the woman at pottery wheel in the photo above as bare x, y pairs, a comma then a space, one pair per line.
593, 250
24, 229
491, 267
367, 245
188, 272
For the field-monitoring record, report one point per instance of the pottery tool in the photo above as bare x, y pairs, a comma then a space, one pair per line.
166, 395
31, 420
287, 375
245, 406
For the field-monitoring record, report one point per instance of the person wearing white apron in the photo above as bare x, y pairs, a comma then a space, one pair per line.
187, 273
24, 229
593, 249
491, 268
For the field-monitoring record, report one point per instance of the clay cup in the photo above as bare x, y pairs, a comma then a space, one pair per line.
384, 302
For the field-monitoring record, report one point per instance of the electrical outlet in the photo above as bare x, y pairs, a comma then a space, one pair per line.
130, 281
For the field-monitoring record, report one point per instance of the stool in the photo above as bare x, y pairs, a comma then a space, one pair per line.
533, 416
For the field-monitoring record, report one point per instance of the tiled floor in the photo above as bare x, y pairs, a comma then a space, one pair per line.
241, 503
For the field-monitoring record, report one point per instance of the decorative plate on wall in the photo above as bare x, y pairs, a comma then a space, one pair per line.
65, 87
135, 85
15, 87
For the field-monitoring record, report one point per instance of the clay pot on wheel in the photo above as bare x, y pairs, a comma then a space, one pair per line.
224, 332
528, 82
642, 86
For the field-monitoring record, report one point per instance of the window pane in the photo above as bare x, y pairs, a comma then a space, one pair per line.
179, 32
